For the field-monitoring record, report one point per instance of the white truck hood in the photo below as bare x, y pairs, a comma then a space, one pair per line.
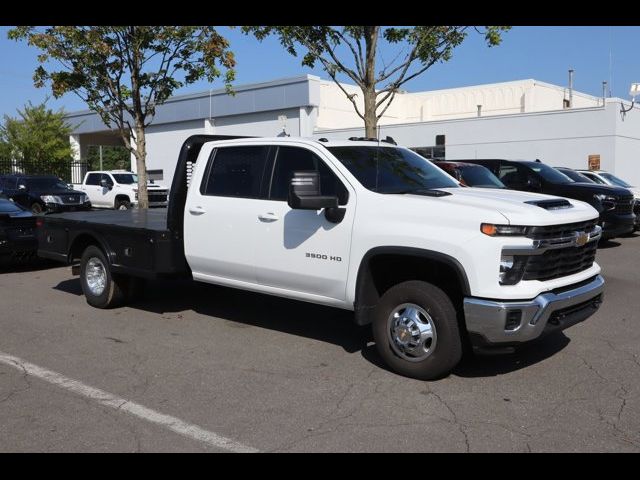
511, 204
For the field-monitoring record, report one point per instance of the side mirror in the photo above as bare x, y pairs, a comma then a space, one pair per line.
304, 194
105, 184
22, 186
533, 184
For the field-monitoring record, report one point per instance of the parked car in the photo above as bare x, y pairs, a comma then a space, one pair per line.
364, 226
119, 189
18, 240
574, 175
614, 204
471, 175
606, 178
43, 193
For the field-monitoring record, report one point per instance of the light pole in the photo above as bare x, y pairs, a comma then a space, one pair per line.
633, 91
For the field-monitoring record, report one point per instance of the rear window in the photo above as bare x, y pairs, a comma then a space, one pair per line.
236, 172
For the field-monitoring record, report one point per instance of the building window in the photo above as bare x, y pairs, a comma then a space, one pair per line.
432, 153
155, 174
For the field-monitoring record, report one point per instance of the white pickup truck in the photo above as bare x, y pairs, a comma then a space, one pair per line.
119, 189
364, 226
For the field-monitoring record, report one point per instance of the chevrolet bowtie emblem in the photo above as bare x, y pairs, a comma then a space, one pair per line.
581, 238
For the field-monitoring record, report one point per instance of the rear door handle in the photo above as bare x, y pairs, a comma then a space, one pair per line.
197, 210
268, 217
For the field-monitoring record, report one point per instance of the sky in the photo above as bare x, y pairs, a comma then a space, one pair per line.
542, 53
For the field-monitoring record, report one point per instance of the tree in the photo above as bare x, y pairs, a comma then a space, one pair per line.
354, 51
123, 73
38, 136
113, 158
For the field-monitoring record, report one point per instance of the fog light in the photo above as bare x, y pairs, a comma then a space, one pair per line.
514, 318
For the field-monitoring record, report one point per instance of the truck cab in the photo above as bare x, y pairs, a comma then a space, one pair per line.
118, 189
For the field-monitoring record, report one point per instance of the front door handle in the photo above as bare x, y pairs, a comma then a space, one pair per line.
268, 217
197, 210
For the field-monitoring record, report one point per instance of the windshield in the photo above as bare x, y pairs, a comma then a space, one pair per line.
576, 176
615, 180
44, 183
480, 177
391, 170
7, 206
548, 173
125, 178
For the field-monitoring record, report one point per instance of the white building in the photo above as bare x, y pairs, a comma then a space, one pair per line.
524, 119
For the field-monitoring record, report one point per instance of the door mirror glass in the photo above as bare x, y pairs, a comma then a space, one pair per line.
304, 192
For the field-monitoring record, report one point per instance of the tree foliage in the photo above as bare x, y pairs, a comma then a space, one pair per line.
37, 136
124, 72
354, 51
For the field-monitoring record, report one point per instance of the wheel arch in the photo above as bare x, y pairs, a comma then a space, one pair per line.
84, 239
383, 267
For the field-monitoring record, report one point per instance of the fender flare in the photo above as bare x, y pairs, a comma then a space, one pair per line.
365, 290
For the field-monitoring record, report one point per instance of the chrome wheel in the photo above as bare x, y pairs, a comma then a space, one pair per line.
96, 276
412, 333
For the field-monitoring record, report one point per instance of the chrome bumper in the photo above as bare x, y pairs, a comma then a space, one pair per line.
493, 322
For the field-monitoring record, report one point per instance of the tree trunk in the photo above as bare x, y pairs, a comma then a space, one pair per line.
141, 156
369, 82
370, 118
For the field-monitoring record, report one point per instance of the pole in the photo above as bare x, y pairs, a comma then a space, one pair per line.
100, 148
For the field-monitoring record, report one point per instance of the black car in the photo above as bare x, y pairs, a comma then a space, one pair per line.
615, 204
43, 193
17, 232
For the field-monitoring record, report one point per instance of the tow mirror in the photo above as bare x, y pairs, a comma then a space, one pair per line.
304, 194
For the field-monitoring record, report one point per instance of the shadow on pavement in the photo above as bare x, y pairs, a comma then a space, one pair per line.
28, 266
608, 244
307, 320
473, 366
302, 319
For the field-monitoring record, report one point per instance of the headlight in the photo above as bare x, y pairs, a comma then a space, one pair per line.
50, 199
608, 202
503, 230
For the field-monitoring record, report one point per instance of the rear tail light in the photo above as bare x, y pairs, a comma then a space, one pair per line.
39, 222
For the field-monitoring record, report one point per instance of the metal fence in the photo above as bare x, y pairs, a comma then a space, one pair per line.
70, 171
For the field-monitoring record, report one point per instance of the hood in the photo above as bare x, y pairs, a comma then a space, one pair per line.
512, 205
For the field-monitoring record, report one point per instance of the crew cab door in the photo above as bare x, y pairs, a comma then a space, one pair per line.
300, 250
93, 189
221, 232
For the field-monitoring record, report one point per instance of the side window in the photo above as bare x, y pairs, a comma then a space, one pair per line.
511, 175
93, 179
595, 178
235, 172
108, 179
292, 159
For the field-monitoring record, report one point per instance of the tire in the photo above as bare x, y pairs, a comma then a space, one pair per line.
122, 205
36, 208
436, 357
94, 264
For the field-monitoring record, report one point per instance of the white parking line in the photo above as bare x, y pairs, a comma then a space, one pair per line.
124, 405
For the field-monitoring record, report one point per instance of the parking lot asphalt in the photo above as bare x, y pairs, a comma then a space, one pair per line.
278, 375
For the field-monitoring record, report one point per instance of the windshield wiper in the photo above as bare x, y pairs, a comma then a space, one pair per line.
430, 192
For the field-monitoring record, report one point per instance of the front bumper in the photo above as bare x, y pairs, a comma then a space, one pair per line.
63, 207
495, 323
616, 225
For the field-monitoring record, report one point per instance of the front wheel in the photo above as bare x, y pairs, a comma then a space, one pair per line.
416, 330
100, 287
122, 205
36, 209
